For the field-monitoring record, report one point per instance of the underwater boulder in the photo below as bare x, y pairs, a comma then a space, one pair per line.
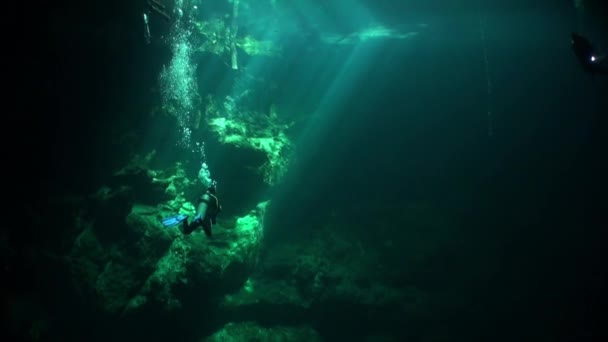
261, 133
250, 331
110, 272
150, 186
302, 280
195, 264
159, 266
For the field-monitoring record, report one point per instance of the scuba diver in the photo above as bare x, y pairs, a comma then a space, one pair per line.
206, 212
588, 56
157, 7
153, 6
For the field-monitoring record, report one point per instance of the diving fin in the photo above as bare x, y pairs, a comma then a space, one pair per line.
174, 220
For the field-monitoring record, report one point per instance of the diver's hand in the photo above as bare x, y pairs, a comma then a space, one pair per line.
196, 219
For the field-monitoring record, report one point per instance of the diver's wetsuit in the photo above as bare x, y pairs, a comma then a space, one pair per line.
206, 212
587, 55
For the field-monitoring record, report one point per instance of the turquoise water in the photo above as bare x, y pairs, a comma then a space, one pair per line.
388, 171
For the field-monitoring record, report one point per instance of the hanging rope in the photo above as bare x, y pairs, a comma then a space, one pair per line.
579, 6
486, 65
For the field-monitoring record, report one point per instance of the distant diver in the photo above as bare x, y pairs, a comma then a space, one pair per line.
157, 7
153, 6
206, 212
591, 60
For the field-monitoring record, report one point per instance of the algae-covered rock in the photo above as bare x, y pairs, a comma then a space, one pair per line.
262, 132
195, 262
300, 278
265, 291
153, 264
124, 258
225, 263
115, 284
255, 47
87, 259
249, 331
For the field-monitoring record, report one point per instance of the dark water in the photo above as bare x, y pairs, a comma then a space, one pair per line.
382, 128
524, 200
